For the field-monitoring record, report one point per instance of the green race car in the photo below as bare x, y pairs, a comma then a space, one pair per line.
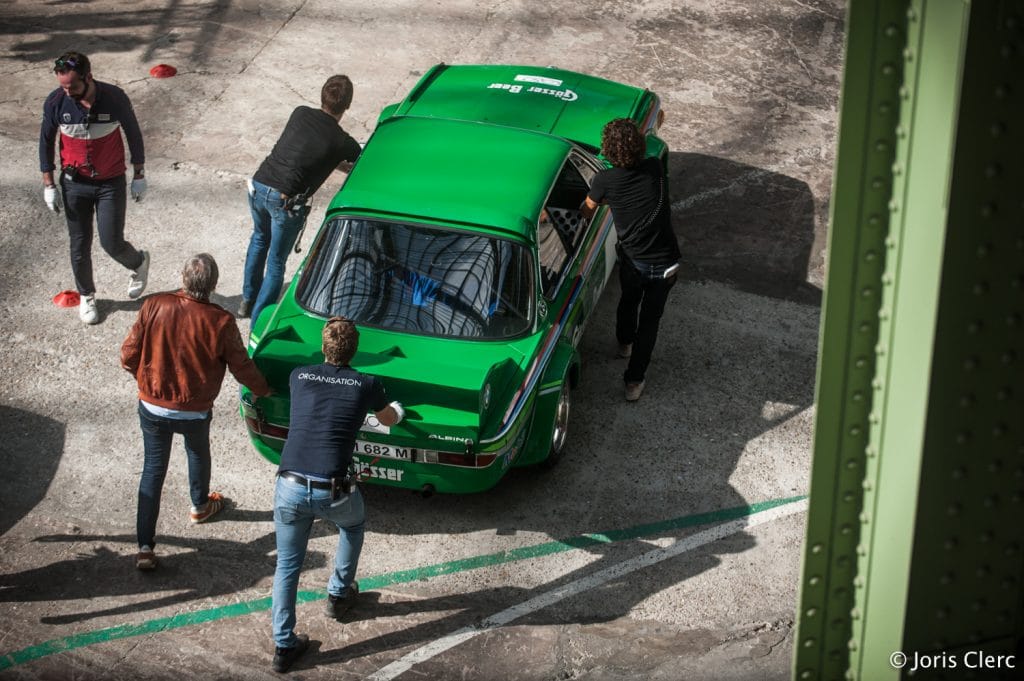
457, 246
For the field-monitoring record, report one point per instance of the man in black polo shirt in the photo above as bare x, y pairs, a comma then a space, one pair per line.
310, 147
636, 189
328, 405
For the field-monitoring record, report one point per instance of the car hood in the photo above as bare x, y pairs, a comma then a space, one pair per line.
451, 389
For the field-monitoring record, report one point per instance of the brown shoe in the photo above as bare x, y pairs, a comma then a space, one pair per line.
214, 505
633, 391
145, 559
624, 350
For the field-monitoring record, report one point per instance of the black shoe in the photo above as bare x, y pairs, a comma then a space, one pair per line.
337, 606
284, 658
244, 308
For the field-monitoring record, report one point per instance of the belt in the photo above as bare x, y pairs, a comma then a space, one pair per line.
75, 176
303, 480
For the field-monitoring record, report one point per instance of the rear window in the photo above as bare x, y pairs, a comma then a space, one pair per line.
419, 279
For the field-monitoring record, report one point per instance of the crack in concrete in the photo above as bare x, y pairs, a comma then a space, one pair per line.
748, 178
655, 53
796, 55
785, 637
275, 34
816, 9
124, 656
219, 95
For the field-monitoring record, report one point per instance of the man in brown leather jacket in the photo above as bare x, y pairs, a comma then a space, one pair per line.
178, 350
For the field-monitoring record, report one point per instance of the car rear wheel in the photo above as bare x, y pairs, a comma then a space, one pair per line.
560, 428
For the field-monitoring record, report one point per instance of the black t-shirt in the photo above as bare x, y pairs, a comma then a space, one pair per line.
328, 406
638, 198
310, 147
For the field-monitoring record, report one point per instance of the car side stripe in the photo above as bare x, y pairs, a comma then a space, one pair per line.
540, 363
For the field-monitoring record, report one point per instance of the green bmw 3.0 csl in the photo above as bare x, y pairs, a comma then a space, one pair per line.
457, 246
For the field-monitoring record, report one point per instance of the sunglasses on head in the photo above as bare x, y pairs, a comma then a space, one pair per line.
61, 64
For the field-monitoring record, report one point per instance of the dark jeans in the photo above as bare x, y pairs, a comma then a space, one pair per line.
157, 433
638, 317
106, 200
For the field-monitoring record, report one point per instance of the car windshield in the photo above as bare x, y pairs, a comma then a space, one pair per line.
419, 279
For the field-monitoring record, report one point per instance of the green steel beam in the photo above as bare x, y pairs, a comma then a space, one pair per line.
965, 583
915, 543
862, 190
910, 299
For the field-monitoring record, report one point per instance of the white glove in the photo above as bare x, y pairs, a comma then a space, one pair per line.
138, 188
397, 406
52, 197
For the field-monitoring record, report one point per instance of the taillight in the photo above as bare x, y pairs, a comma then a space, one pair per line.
264, 428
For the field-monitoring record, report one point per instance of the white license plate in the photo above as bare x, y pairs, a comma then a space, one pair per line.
364, 448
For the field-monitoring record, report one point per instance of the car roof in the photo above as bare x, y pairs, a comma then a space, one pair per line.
556, 101
454, 171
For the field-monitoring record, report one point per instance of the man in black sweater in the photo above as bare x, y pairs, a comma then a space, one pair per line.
311, 146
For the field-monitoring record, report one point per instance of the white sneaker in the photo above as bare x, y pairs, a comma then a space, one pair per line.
87, 310
137, 284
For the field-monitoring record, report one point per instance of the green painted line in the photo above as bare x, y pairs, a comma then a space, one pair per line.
187, 619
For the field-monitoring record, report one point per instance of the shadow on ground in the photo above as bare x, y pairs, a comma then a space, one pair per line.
200, 568
31, 450
744, 226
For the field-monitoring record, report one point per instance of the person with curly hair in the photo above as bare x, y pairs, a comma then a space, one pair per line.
636, 190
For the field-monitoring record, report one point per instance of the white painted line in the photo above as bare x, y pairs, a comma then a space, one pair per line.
694, 541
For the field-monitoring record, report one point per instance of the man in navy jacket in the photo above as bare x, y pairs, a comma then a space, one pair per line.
89, 116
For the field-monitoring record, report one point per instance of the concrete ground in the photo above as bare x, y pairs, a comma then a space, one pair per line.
701, 481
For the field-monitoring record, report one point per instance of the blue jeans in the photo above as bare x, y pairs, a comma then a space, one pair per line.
295, 507
157, 433
275, 229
